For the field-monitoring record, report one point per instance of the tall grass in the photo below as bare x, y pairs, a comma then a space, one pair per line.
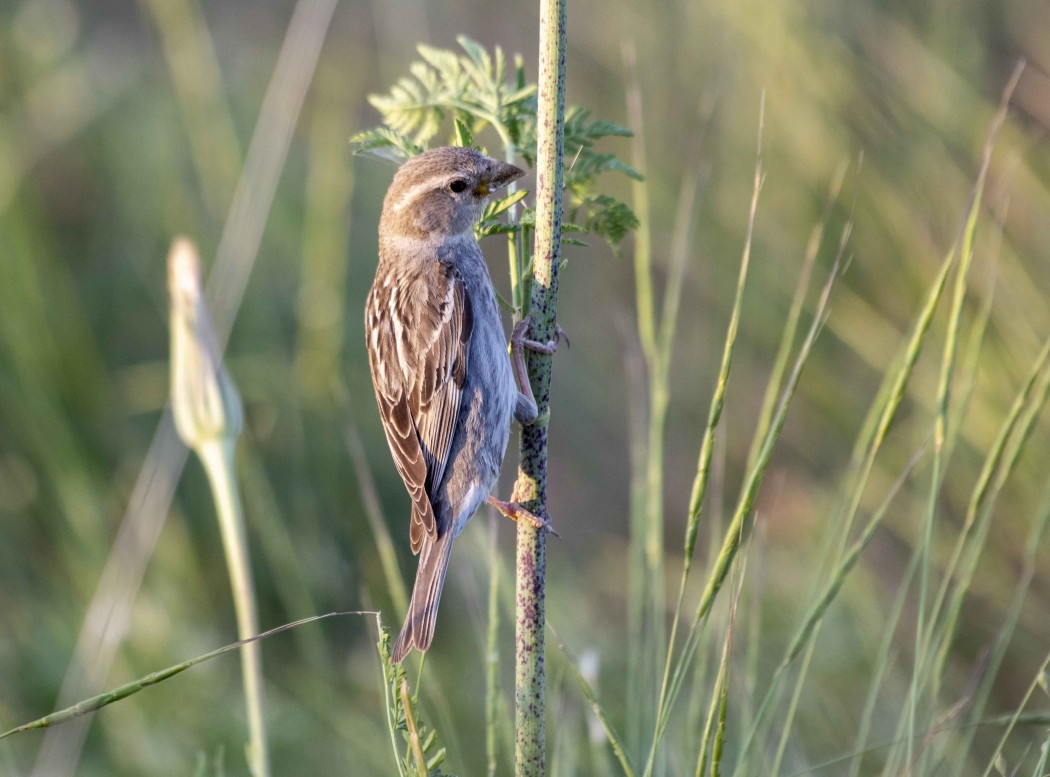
888, 618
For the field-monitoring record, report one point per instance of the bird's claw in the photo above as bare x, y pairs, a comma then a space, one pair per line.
515, 511
517, 337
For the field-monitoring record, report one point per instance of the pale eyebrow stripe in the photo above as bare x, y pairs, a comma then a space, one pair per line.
433, 182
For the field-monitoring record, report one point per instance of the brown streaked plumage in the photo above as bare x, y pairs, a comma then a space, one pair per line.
438, 356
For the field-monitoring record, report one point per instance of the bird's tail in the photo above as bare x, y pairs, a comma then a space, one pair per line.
418, 630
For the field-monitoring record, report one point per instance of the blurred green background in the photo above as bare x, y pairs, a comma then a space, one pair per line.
125, 124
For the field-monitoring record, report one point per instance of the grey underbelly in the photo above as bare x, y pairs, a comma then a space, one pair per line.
480, 442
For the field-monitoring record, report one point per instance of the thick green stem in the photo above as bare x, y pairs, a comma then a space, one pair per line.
530, 490
217, 456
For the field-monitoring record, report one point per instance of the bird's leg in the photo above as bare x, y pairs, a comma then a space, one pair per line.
525, 409
548, 347
515, 511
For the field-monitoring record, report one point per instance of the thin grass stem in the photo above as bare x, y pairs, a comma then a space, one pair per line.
395, 584
217, 456
790, 329
923, 635
615, 740
882, 664
703, 469
1011, 453
492, 688
789, 718
745, 505
1036, 535
715, 727
96, 703
389, 673
1037, 681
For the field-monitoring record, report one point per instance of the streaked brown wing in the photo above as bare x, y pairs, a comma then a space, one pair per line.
418, 350
443, 371
408, 458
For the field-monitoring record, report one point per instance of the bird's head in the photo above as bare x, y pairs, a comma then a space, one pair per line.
441, 193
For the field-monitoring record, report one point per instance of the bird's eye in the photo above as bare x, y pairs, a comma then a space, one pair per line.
457, 186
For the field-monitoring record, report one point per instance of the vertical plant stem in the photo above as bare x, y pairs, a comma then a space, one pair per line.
389, 692
531, 486
514, 251
414, 743
640, 680
395, 584
217, 456
492, 654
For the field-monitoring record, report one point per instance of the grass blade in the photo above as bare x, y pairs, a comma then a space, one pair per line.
395, 584
703, 469
129, 689
744, 510
619, 750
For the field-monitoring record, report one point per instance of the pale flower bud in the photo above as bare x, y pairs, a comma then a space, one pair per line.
203, 397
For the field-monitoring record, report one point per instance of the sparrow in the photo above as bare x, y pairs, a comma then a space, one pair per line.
445, 386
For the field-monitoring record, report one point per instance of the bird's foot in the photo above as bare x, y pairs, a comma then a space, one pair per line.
515, 511
518, 338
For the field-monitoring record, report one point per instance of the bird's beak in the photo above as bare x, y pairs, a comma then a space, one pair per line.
501, 175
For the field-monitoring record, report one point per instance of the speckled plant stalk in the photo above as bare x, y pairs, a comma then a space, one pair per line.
530, 490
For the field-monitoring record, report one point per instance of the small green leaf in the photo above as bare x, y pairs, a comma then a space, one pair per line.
579, 127
478, 56
429, 739
519, 71
519, 95
437, 760
470, 89
427, 78
495, 227
464, 136
496, 207
500, 68
376, 140
445, 62
588, 165
609, 218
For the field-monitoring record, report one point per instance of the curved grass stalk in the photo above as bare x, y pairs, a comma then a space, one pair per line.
615, 740
1019, 428
1038, 680
924, 636
715, 727
1036, 535
787, 339
882, 664
744, 510
703, 469
96, 703
647, 623
805, 637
